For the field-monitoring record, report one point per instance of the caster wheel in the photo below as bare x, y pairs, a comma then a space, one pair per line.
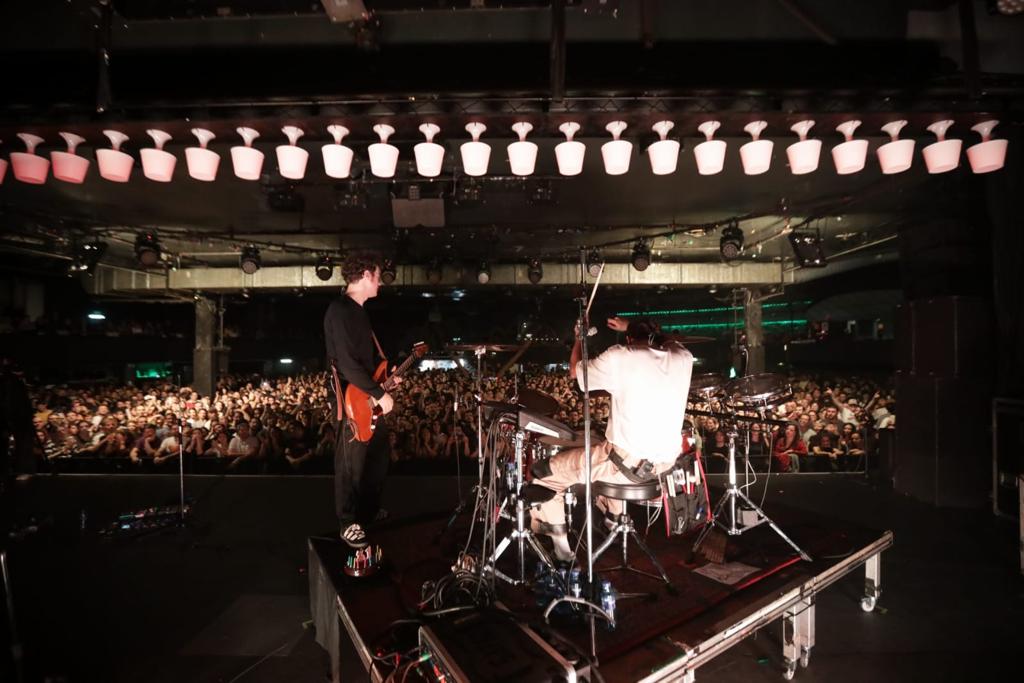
867, 604
805, 659
789, 673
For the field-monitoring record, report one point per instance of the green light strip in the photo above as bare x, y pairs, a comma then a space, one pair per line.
688, 311
725, 326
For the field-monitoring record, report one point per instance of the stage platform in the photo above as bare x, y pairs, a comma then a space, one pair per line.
663, 635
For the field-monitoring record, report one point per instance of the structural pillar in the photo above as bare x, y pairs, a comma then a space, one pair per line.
204, 355
752, 326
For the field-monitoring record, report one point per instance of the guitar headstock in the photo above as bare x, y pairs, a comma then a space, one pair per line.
419, 349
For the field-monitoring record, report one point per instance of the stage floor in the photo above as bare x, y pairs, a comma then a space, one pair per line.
228, 599
660, 634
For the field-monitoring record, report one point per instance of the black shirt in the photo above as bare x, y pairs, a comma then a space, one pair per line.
350, 344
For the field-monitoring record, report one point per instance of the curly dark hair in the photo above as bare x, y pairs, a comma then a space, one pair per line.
644, 330
358, 262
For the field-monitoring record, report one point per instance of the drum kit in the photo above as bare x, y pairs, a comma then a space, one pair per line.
739, 403
523, 430
519, 432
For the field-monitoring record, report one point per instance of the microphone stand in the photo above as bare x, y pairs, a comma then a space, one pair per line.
181, 472
584, 328
478, 489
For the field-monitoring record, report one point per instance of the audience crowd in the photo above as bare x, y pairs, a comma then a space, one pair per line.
257, 425
827, 424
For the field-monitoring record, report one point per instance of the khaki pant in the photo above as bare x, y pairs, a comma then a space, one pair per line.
569, 467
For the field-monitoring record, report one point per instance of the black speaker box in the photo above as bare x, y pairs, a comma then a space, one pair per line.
946, 336
943, 440
1008, 456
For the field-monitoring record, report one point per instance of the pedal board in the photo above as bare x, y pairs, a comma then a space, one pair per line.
490, 646
140, 522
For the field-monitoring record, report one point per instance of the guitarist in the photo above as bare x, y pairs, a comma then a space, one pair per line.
359, 467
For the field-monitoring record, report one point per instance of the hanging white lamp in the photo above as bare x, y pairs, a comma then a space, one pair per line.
246, 160
988, 155
68, 166
710, 154
292, 159
756, 155
803, 155
202, 162
30, 167
569, 154
896, 155
337, 157
522, 154
158, 164
849, 156
115, 165
429, 154
943, 155
383, 155
663, 153
616, 153
475, 154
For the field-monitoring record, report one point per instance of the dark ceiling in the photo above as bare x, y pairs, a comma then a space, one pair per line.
85, 65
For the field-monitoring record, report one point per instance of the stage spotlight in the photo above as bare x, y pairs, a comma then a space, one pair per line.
534, 270
434, 272
388, 272
85, 257
594, 262
807, 249
483, 273
731, 244
147, 249
324, 268
641, 255
249, 260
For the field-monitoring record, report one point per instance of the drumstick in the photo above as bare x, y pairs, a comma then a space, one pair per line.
597, 281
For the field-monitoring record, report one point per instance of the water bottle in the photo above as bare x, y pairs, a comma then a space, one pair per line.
563, 582
608, 600
575, 588
540, 588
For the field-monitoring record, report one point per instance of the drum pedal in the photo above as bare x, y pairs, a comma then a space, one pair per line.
713, 546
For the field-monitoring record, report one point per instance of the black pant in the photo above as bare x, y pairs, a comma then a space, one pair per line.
359, 472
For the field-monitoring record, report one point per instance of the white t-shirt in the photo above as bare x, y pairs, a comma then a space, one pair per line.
169, 445
649, 389
240, 446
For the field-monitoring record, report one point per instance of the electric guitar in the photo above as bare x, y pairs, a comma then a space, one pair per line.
361, 409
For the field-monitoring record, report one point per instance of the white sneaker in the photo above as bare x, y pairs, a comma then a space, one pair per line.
354, 536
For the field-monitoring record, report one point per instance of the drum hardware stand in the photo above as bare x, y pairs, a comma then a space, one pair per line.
728, 502
478, 490
522, 533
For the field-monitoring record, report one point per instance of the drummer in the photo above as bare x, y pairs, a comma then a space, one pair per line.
648, 378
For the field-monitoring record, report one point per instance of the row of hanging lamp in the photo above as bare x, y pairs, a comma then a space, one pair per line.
803, 156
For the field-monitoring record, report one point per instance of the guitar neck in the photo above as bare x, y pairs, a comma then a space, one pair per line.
389, 382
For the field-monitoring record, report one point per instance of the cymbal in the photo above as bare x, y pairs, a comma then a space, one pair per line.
485, 347
538, 402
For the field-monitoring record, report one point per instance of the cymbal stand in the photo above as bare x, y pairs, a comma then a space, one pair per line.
521, 534
478, 489
728, 504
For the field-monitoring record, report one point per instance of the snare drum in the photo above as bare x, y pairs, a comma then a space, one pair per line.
764, 390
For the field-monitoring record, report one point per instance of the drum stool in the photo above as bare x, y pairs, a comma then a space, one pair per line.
624, 527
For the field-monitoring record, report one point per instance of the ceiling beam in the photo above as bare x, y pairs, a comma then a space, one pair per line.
107, 280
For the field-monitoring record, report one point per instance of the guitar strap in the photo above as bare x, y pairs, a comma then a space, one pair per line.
339, 396
377, 344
